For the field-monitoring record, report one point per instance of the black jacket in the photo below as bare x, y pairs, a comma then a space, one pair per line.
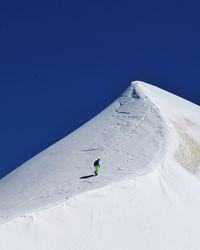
96, 163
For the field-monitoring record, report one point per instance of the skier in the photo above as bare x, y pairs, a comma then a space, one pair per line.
96, 166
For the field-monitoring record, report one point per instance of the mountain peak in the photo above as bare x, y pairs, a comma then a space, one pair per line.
148, 144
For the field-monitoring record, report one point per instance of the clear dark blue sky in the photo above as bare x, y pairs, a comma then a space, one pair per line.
61, 62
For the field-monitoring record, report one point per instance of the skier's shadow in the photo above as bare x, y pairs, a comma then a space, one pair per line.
87, 176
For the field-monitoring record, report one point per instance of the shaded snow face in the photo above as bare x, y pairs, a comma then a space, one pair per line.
129, 137
134, 137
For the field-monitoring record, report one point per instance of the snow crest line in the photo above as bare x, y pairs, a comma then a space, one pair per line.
130, 137
142, 198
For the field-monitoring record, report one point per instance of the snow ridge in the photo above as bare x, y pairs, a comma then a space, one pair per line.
130, 137
147, 193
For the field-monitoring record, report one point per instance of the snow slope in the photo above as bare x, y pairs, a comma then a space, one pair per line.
147, 193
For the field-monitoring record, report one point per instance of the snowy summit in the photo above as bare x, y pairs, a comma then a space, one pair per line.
146, 195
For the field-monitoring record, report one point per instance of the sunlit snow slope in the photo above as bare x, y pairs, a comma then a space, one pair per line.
147, 195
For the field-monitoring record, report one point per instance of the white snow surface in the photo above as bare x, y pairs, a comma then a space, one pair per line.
147, 193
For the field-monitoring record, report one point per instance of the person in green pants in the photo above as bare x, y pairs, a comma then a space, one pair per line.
96, 166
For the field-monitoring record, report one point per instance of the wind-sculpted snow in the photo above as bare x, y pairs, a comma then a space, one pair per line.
183, 120
188, 151
129, 137
145, 197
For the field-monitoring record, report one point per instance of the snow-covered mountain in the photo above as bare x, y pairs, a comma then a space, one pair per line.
146, 196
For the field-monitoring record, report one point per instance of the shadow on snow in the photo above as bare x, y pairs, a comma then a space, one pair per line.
87, 176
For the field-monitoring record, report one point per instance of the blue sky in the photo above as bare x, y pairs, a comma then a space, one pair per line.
62, 62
